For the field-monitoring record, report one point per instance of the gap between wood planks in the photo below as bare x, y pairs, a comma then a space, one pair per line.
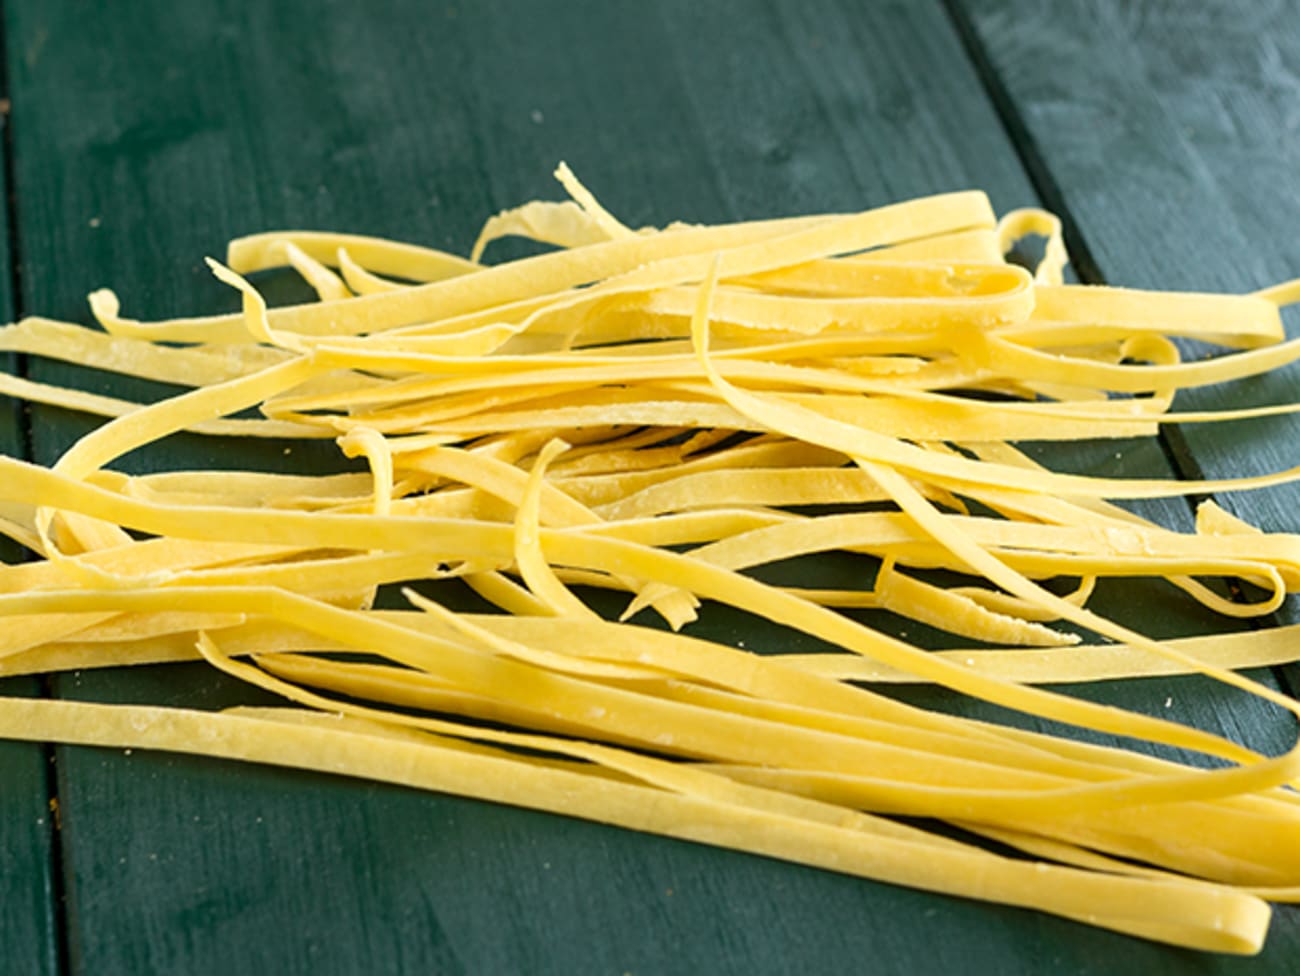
54, 833
1171, 439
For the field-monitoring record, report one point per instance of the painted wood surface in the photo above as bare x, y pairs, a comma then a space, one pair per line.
1175, 156
150, 133
28, 937
1168, 135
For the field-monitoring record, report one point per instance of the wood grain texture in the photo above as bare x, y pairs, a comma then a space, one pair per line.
28, 938
1176, 155
162, 129
27, 923
1172, 132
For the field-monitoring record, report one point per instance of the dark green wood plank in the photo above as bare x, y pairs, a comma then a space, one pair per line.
28, 933
28, 937
1169, 133
167, 128
27, 924
27, 927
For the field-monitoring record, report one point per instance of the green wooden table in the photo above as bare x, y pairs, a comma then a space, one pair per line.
142, 135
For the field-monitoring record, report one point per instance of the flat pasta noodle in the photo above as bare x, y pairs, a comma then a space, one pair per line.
1058, 665
104, 406
1196, 916
261, 252
479, 539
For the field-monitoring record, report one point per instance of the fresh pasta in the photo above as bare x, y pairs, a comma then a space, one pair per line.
657, 421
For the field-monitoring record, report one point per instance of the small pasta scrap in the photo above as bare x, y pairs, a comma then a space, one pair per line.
605, 440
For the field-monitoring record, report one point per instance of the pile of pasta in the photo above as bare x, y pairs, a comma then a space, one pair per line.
656, 420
